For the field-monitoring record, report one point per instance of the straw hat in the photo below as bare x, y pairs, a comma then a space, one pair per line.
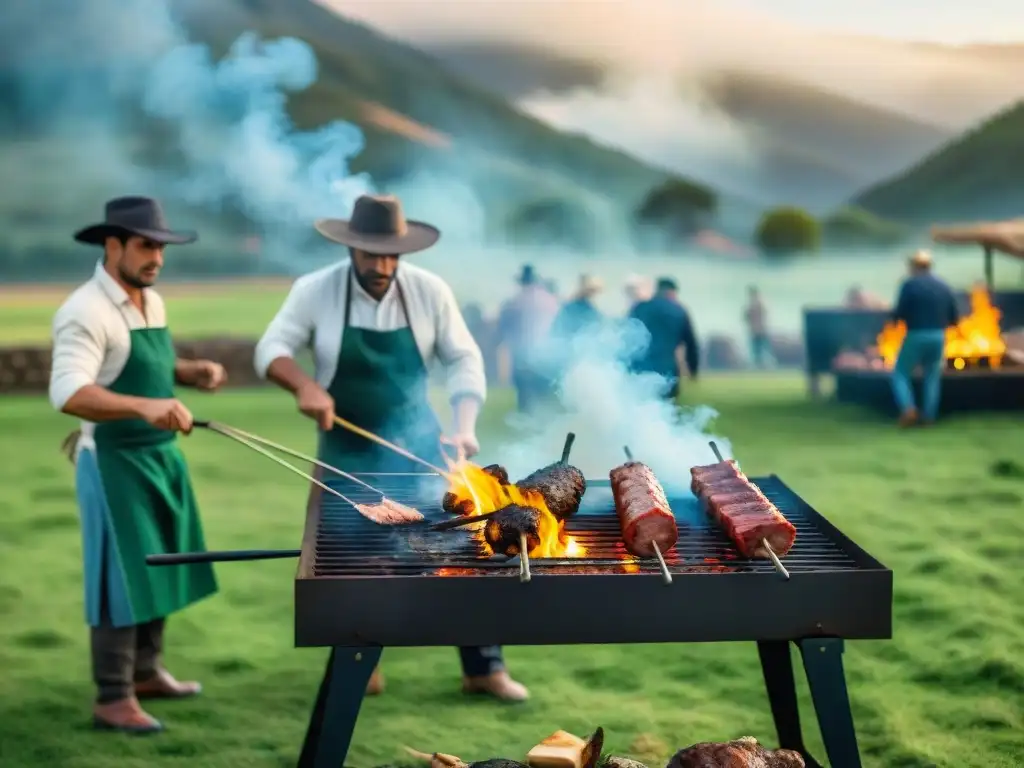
590, 285
921, 258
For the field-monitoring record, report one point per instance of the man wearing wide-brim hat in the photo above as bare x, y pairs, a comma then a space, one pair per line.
114, 367
579, 316
927, 307
376, 324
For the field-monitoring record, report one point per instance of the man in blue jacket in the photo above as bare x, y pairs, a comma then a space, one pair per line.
670, 328
927, 306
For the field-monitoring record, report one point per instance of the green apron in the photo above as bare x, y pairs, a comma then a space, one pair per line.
151, 506
381, 384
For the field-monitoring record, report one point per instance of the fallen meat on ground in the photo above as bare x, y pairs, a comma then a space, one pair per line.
644, 513
746, 515
741, 753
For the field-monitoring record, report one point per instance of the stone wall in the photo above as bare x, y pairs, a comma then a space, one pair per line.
27, 369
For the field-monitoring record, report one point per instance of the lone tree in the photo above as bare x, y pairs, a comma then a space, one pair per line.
553, 222
787, 231
677, 208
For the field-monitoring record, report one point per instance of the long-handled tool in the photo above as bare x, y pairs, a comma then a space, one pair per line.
405, 514
390, 446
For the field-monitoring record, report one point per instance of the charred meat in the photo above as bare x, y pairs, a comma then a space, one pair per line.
503, 531
741, 753
562, 487
453, 505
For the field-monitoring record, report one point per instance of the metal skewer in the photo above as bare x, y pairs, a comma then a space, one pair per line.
464, 520
764, 542
666, 575
390, 446
567, 448
288, 451
524, 559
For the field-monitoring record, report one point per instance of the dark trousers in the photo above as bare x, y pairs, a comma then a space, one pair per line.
480, 661
123, 656
532, 389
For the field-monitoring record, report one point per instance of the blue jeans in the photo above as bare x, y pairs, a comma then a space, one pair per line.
925, 349
760, 350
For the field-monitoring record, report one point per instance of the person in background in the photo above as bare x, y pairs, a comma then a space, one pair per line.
670, 328
551, 286
756, 317
927, 306
857, 298
523, 326
375, 324
578, 315
637, 289
115, 367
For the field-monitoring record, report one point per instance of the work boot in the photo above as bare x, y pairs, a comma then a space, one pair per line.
375, 686
497, 684
162, 685
124, 716
908, 418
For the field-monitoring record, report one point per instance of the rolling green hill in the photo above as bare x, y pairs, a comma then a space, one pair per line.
979, 175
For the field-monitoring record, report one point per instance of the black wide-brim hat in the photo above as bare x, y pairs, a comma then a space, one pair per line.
378, 226
141, 216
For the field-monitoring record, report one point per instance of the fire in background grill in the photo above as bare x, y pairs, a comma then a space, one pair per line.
744, 513
503, 531
561, 485
453, 505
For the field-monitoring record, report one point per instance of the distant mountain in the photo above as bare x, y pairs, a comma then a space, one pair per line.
813, 147
979, 175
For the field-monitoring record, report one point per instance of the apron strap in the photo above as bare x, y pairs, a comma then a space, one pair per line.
401, 301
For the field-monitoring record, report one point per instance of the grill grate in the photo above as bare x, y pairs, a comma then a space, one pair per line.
349, 545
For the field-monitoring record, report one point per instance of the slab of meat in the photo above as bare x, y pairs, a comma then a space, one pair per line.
741, 753
561, 485
453, 505
504, 531
388, 512
703, 476
746, 515
643, 510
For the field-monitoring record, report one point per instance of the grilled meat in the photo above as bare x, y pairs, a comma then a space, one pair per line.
465, 507
503, 531
561, 485
388, 512
643, 510
741, 753
746, 515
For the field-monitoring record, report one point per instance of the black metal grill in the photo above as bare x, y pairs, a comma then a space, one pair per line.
346, 547
364, 584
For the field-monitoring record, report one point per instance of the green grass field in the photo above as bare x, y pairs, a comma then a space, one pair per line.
944, 508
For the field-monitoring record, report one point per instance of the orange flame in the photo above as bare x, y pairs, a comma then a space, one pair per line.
976, 336
469, 482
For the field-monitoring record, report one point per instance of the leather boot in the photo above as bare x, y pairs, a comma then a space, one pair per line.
162, 685
124, 716
500, 685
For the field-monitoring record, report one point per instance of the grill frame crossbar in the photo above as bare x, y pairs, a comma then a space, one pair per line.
361, 584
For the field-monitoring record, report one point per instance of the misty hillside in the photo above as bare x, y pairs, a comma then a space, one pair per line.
814, 147
417, 117
979, 175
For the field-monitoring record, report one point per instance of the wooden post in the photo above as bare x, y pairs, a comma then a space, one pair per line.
989, 276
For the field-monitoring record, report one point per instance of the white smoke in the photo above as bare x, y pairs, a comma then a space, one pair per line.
609, 408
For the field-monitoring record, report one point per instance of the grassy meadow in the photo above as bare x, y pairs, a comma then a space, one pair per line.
942, 507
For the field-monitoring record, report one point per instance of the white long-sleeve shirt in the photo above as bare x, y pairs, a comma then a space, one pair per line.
313, 317
92, 337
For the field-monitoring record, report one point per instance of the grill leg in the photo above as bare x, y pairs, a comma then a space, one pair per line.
823, 663
337, 707
777, 666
